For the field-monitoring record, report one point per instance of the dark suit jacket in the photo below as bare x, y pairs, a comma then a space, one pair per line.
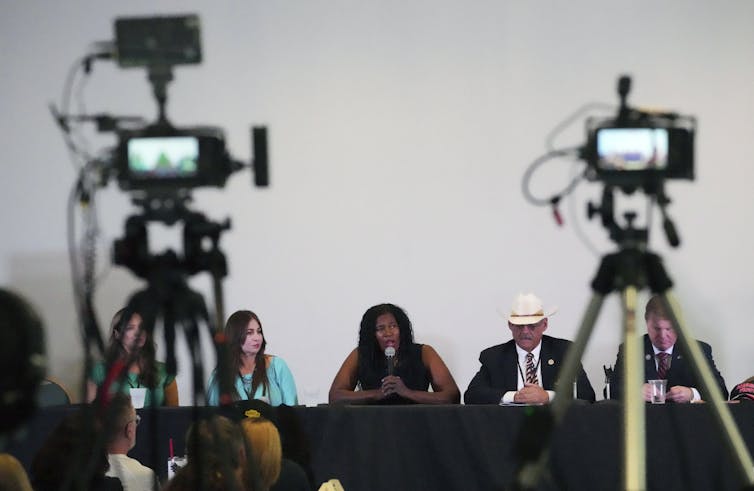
499, 372
680, 372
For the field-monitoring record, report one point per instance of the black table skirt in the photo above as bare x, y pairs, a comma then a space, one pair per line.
470, 447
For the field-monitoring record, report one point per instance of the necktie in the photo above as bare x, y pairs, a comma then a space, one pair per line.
663, 364
531, 370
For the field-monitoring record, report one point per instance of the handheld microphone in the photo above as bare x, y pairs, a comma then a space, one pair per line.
390, 356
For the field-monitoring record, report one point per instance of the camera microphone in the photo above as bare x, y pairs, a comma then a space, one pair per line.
390, 357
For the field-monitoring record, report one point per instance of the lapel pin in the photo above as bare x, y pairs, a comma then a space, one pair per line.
551, 362
648, 357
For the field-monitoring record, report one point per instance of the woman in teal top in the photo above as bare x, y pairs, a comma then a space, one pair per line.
132, 349
257, 375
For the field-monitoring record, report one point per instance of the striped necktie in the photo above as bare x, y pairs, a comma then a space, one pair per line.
663, 364
531, 370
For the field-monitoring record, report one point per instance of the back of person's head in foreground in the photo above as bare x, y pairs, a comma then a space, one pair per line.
217, 458
12, 474
119, 420
71, 451
264, 440
22, 359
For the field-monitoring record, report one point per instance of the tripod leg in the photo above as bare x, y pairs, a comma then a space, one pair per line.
634, 429
530, 473
724, 419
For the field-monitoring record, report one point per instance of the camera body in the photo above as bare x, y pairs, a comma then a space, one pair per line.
640, 148
165, 158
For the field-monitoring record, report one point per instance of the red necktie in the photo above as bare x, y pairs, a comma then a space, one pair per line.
531, 370
662, 365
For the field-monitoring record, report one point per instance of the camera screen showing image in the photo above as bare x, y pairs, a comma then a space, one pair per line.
172, 159
638, 154
166, 157
632, 149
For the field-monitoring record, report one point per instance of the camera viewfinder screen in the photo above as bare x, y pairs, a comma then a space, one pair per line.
163, 157
632, 149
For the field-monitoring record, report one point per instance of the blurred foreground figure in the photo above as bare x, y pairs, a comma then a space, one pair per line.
22, 359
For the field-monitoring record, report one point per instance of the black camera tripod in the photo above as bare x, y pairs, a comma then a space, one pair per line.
167, 293
629, 270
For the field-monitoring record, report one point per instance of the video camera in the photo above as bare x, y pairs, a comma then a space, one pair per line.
161, 158
637, 148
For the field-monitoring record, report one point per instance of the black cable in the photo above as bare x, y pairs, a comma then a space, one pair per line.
72, 253
65, 103
525, 182
549, 140
81, 109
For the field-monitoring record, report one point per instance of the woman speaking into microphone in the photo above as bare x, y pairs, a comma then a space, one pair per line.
387, 367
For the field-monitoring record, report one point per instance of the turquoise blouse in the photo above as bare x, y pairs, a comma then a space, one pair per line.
282, 386
155, 396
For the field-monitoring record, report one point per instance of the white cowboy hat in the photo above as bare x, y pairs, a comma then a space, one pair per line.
527, 309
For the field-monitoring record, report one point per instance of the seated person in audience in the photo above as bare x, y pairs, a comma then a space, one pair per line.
69, 452
664, 359
130, 363
12, 474
216, 454
256, 375
264, 434
743, 391
416, 366
524, 369
120, 423
264, 440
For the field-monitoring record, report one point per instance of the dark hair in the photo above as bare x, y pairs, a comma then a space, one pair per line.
71, 451
213, 445
144, 356
369, 350
235, 330
656, 307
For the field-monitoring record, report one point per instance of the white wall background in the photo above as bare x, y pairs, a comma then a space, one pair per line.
399, 135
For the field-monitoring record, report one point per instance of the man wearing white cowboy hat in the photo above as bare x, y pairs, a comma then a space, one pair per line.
524, 369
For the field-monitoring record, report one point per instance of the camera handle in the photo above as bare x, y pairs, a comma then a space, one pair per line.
628, 271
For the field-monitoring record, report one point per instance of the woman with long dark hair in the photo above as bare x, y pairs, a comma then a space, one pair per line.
415, 366
131, 349
256, 375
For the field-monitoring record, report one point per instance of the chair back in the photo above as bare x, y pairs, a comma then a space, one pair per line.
51, 393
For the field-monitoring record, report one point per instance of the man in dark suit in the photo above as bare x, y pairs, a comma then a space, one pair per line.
663, 359
524, 369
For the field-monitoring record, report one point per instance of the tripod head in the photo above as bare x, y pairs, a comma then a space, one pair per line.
132, 250
631, 236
